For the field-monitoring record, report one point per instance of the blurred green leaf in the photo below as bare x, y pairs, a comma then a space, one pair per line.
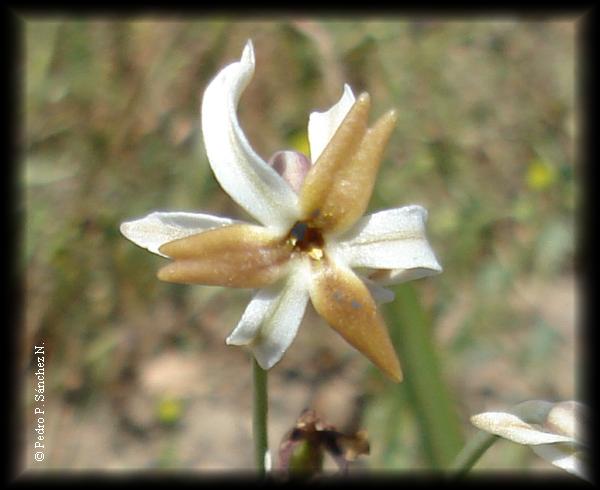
392, 430
425, 385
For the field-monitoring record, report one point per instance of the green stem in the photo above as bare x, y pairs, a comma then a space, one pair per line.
470, 454
259, 422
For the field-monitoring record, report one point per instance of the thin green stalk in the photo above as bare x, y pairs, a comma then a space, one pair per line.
470, 454
259, 421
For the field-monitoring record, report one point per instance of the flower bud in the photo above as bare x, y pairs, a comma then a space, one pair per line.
292, 166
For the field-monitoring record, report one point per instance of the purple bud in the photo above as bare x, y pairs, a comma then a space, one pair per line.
292, 166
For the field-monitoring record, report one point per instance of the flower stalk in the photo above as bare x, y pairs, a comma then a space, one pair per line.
471, 453
260, 414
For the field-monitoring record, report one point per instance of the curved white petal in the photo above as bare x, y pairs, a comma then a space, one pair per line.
515, 429
564, 456
391, 277
271, 320
568, 418
393, 240
158, 228
243, 174
255, 313
380, 294
323, 125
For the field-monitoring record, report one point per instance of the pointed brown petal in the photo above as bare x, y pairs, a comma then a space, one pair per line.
241, 256
339, 193
323, 175
344, 301
355, 186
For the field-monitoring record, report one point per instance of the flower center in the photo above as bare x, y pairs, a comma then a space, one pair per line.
307, 239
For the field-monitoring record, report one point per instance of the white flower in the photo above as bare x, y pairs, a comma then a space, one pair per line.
553, 430
311, 231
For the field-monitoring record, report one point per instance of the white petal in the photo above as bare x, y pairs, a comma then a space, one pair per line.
244, 175
563, 456
255, 313
567, 418
158, 228
392, 240
397, 276
323, 125
515, 429
271, 320
380, 294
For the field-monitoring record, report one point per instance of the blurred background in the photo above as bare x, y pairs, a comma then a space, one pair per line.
137, 371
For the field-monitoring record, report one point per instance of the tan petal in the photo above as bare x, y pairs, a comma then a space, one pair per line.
344, 301
241, 256
337, 189
322, 175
